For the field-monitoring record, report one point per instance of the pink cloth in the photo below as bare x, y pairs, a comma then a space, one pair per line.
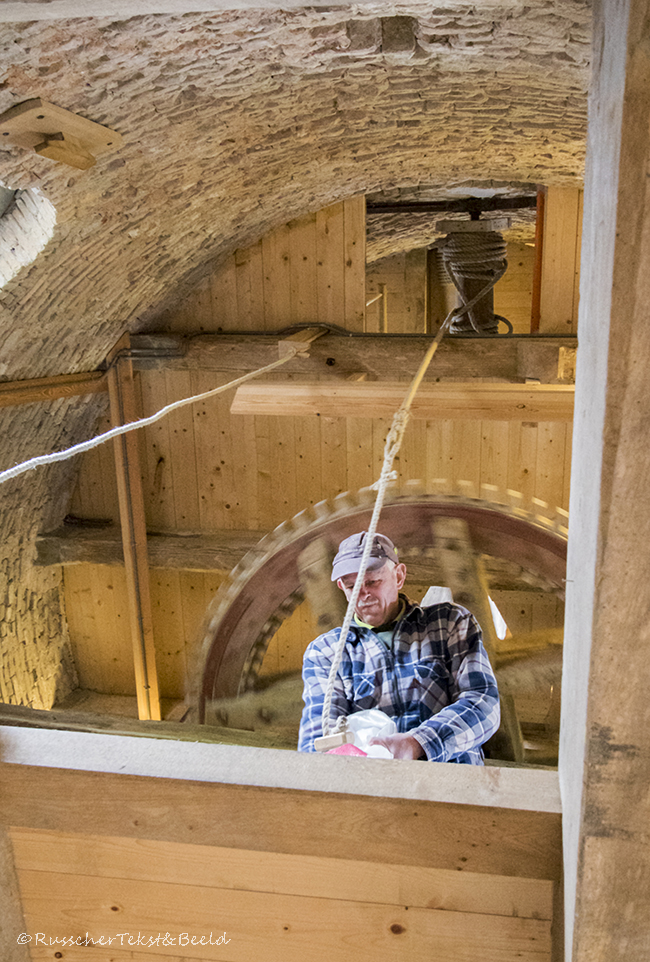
347, 749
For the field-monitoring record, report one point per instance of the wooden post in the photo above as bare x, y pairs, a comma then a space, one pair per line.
604, 764
535, 313
134, 532
383, 327
465, 576
560, 260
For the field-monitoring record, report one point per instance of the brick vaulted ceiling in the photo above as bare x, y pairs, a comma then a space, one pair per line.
233, 123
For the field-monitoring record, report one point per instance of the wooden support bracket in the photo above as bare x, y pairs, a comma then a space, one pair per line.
300, 341
56, 133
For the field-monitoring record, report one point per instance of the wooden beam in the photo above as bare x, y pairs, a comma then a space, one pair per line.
220, 551
41, 389
134, 532
217, 551
68, 720
448, 400
465, 576
605, 737
472, 838
379, 356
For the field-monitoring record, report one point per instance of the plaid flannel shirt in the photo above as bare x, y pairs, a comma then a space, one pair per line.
435, 682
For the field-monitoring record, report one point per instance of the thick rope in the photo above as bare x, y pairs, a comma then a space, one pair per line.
134, 425
391, 449
474, 256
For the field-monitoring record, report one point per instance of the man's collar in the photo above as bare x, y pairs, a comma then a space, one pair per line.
404, 605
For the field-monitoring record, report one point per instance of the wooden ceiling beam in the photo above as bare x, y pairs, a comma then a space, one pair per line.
221, 551
217, 551
378, 356
446, 400
41, 389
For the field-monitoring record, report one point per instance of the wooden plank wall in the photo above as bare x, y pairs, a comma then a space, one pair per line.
561, 260
289, 876
205, 469
405, 276
311, 269
280, 907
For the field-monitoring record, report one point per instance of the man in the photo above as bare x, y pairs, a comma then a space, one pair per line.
426, 668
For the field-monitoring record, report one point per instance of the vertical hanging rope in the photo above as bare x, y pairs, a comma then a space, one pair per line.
391, 448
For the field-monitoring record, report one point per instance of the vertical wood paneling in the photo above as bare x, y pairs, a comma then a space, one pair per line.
223, 296
334, 455
99, 629
549, 474
244, 512
277, 278
265, 482
183, 448
494, 453
413, 454
560, 263
208, 453
359, 453
354, 269
302, 264
249, 280
513, 295
330, 235
159, 504
283, 470
309, 479
522, 457
167, 611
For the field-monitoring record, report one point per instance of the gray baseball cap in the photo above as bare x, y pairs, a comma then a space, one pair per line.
348, 559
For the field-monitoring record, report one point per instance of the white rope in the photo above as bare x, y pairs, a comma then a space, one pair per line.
134, 425
391, 449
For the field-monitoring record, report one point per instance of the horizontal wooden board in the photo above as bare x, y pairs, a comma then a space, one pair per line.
317, 877
278, 928
50, 388
338, 356
429, 834
448, 400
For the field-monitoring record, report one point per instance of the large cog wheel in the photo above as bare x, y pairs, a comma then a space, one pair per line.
527, 542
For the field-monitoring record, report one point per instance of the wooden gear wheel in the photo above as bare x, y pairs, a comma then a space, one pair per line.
526, 546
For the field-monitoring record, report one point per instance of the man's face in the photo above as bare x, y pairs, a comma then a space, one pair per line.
378, 601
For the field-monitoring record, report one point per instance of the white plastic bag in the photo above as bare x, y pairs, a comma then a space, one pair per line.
368, 724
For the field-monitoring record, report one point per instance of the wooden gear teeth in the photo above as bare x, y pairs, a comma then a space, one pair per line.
231, 656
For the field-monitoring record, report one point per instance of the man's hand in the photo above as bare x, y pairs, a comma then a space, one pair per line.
401, 746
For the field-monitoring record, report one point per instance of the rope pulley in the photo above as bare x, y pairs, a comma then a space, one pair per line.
474, 254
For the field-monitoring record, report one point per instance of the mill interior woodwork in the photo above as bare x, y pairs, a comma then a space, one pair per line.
208, 472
